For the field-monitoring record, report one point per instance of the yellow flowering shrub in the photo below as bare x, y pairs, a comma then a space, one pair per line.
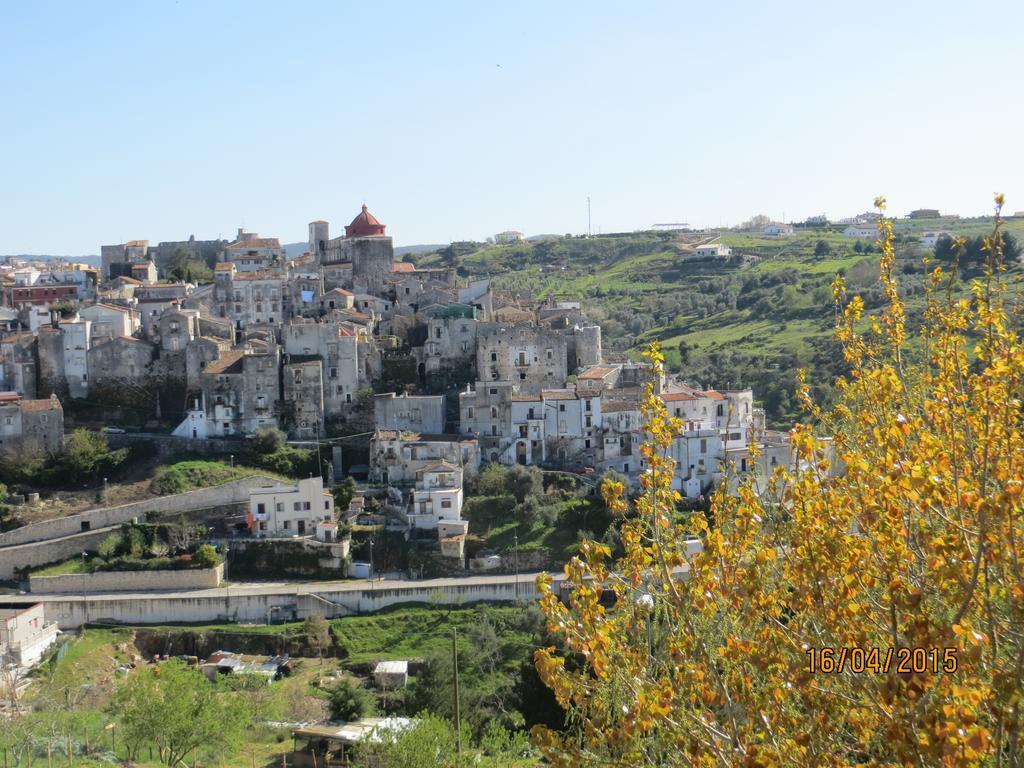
900, 529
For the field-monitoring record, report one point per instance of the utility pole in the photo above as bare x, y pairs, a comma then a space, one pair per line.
588, 216
515, 544
458, 715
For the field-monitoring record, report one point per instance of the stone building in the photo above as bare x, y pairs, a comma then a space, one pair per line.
63, 357
19, 364
530, 357
302, 408
121, 362
396, 457
249, 298
116, 260
363, 257
485, 413
424, 413
345, 353
29, 427
241, 391
451, 338
252, 253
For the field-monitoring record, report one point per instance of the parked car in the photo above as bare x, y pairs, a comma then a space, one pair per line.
112, 431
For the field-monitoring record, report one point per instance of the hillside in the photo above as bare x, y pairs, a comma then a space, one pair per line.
749, 319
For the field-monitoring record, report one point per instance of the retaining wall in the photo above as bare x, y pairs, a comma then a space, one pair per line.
233, 492
122, 581
282, 604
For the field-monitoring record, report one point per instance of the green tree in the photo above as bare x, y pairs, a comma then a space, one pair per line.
491, 481
176, 708
269, 440
350, 701
430, 743
343, 495
87, 455
822, 249
684, 352
318, 634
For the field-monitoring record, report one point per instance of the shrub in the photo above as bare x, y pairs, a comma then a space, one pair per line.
350, 701
206, 556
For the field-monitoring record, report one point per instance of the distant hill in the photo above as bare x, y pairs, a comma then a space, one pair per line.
425, 248
750, 319
93, 261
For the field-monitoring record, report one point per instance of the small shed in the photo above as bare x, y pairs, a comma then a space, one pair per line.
389, 675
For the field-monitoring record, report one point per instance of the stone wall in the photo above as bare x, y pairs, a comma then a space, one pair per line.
233, 492
127, 581
39, 553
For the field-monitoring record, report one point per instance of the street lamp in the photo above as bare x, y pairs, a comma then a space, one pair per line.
232, 457
371, 558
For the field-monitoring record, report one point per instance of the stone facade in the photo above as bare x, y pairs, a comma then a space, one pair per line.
30, 427
531, 357
425, 413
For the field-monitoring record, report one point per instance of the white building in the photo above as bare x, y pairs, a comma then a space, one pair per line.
290, 510
437, 498
712, 250
110, 320
76, 336
778, 229
25, 635
508, 236
861, 229
929, 239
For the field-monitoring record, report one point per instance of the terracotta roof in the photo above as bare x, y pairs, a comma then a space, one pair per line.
619, 406
9, 397
714, 395
261, 275
675, 397
596, 372
227, 359
517, 398
558, 394
402, 266
342, 291
364, 225
126, 279
224, 266
441, 466
47, 404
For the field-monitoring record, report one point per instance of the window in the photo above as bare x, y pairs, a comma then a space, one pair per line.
743, 465
469, 413
561, 407
494, 391
296, 506
261, 509
586, 443
327, 504
494, 430
721, 410
305, 506
446, 503
279, 507
703, 445
494, 412
587, 404
286, 524
588, 422
734, 436
625, 468
494, 357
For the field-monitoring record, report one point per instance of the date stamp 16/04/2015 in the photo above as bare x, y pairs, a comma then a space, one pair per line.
902, 661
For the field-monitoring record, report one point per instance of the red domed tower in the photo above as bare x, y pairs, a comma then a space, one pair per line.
365, 225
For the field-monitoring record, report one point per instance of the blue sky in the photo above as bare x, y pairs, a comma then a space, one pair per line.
453, 121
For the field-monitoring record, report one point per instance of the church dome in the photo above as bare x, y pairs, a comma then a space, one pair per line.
364, 225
